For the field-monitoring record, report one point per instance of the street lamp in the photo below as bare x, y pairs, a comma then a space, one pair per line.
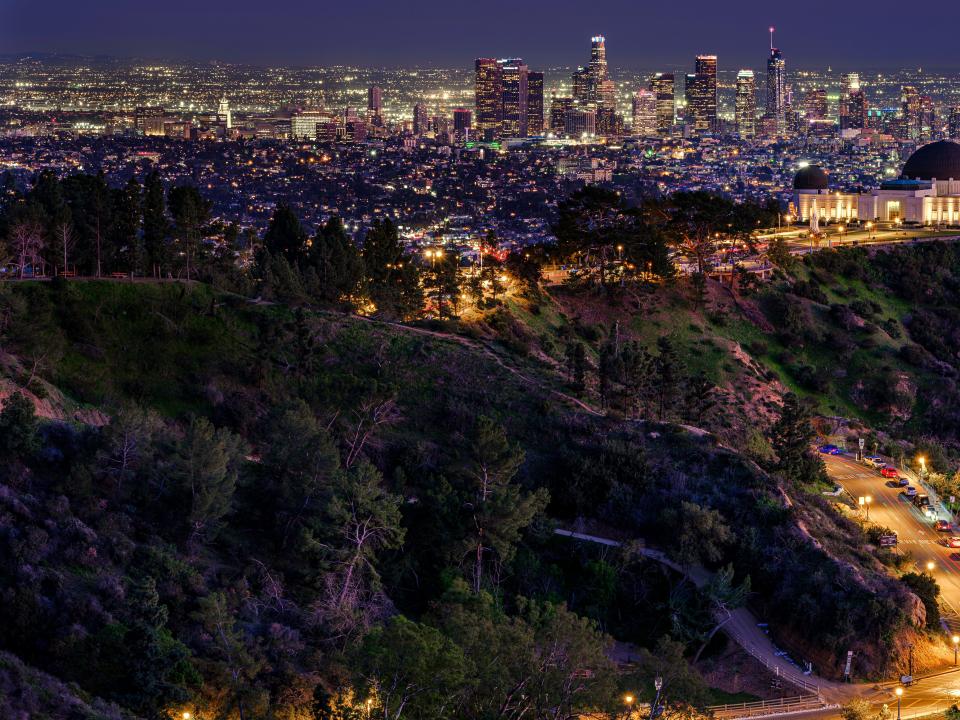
956, 645
930, 566
187, 715
899, 692
923, 466
628, 701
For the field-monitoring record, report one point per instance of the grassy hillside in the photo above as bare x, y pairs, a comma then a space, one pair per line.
109, 549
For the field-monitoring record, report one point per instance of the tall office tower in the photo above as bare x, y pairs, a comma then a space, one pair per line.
644, 113
224, 114
953, 125
591, 82
928, 119
489, 102
776, 87
581, 85
514, 98
662, 85
745, 108
815, 105
462, 120
701, 93
853, 103
421, 120
374, 101
534, 103
910, 112
149, 120
559, 107
603, 88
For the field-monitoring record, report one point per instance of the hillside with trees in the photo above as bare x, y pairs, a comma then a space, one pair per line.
291, 477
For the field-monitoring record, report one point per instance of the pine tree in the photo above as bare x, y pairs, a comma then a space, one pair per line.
792, 437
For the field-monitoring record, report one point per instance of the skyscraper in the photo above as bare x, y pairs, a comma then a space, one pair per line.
534, 103
489, 102
421, 120
953, 126
910, 112
662, 86
224, 114
462, 120
559, 107
592, 83
701, 93
374, 101
509, 99
815, 105
514, 98
853, 103
644, 113
746, 104
776, 87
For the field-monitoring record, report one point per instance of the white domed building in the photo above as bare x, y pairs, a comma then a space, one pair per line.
927, 192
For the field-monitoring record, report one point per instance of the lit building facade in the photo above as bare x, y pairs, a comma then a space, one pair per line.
746, 104
662, 86
927, 192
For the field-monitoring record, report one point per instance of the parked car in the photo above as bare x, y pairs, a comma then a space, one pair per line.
952, 542
943, 526
874, 461
830, 450
888, 471
910, 491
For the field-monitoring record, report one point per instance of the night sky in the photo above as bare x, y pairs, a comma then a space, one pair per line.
640, 34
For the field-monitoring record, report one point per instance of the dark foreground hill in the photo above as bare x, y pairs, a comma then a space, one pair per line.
229, 507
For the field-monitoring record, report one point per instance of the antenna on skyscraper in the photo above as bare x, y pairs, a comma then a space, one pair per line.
771, 37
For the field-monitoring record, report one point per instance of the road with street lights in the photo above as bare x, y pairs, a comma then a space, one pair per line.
890, 508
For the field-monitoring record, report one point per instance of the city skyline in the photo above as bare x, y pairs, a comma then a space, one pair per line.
419, 37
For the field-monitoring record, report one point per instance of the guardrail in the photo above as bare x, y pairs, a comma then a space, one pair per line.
761, 708
791, 678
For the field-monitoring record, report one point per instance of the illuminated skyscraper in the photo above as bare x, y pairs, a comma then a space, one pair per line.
489, 102
374, 101
515, 100
534, 103
701, 93
815, 105
592, 83
509, 99
745, 110
644, 113
662, 86
421, 119
953, 126
559, 107
224, 114
776, 87
910, 112
853, 103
